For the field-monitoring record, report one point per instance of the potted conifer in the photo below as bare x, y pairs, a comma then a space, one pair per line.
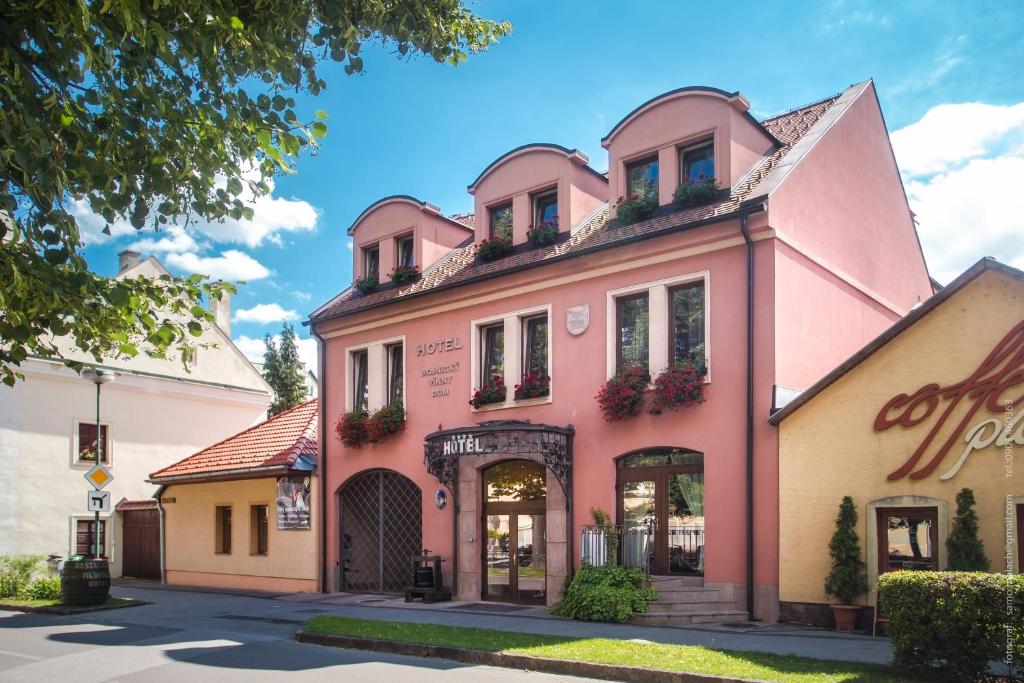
847, 578
966, 551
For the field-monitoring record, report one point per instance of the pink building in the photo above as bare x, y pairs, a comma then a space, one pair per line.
800, 250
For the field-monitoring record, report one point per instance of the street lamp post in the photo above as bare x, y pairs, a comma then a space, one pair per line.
99, 378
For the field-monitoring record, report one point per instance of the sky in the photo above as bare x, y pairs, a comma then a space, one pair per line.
947, 75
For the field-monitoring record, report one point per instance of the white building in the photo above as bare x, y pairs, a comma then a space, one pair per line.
154, 413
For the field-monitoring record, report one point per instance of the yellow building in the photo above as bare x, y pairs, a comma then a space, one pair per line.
932, 406
243, 513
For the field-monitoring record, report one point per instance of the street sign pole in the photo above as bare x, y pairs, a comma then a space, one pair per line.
96, 522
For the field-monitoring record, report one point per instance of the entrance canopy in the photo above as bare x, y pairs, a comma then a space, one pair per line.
514, 439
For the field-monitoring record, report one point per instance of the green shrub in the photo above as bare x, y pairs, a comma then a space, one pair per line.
846, 580
42, 588
606, 593
636, 209
950, 625
10, 585
966, 551
15, 573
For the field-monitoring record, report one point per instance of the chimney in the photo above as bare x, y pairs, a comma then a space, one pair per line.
127, 259
221, 309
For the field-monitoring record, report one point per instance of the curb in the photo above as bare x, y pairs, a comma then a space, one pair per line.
607, 672
67, 610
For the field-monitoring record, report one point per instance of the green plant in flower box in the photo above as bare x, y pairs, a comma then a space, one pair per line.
543, 234
404, 274
367, 284
696, 191
494, 248
622, 396
492, 393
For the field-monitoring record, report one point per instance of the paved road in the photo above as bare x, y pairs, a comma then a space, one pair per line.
190, 637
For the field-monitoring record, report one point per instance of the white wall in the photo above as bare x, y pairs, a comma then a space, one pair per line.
153, 423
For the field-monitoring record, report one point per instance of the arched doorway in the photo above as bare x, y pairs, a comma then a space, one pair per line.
661, 510
381, 530
515, 522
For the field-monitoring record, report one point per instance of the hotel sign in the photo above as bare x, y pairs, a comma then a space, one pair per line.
995, 387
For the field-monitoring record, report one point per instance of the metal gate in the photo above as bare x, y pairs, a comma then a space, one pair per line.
381, 530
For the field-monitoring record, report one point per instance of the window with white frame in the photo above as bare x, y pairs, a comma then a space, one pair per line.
371, 261
697, 162
85, 538
405, 252
659, 325
492, 359
396, 374
86, 447
515, 347
360, 381
375, 376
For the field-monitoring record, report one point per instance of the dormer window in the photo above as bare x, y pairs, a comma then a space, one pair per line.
642, 177
697, 162
501, 222
545, 209
404, 251
371, 261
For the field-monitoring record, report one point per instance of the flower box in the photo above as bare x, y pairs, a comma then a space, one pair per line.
622, 397
693, 192
493, 393
635, 208
355, 427
367, 284
679, 386
404, 274
544, 234
534, 385
494, 248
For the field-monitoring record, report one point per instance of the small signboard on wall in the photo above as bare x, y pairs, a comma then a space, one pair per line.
293, 503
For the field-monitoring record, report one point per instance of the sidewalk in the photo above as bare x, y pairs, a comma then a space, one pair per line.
771, 638
778, 639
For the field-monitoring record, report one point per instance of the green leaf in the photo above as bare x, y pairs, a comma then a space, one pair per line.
319, 129
321, 114
237, 24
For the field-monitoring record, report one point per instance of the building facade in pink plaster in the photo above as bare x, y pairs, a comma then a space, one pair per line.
809, 216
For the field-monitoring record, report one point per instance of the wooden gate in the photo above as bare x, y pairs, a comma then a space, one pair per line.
141, 546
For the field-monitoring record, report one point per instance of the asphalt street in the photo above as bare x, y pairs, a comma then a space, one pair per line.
194, 637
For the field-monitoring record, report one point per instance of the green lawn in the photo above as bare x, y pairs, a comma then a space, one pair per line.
684, 658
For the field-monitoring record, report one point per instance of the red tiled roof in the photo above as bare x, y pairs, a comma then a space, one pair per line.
126, 505
597, 231
274, 444
466, 219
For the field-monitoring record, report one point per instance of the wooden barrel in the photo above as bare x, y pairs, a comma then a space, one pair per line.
85, 582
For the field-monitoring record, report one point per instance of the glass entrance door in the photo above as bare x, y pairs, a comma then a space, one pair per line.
661, 510
515, 523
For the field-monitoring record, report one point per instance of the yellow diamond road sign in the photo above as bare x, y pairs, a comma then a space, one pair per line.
99, 476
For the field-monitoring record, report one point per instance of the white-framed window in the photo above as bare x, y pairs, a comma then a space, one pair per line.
697, 161
375, 373
545, 208
84, 443
659, 324
371, 261
396, 374
360, 362
83, 539
509, 345
405, 252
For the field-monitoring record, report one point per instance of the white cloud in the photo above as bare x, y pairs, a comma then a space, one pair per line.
272, 217
253, 349
265, 313
962, 166
302, 296
348, 245
231, 265
175, 240
950, 135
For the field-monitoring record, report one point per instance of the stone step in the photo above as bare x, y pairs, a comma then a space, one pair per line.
677, 582
676, 619
691, 595
692, 607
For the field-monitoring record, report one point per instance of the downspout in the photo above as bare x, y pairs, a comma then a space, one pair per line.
745, 231
455, 541
163, 533
322, 460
